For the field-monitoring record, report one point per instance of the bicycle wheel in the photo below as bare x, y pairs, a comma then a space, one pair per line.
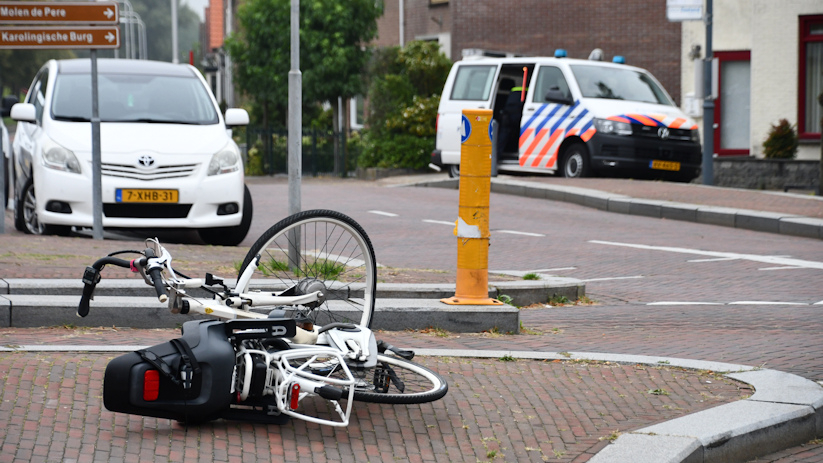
318, 250
398, 381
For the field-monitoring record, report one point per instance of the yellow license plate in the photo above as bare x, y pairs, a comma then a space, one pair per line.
133, 195
665, 165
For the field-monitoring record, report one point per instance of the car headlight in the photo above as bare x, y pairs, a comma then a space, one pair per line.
59, 158
615, 127
695, 136
225, 161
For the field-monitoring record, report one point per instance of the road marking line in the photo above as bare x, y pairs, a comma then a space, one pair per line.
544, 270
719, 259
441, 222
777, 260
614, 278
683, 303
513, 232
780, 268
387, 214
765, 303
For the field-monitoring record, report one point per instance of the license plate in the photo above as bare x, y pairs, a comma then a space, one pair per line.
132, 195
665, 165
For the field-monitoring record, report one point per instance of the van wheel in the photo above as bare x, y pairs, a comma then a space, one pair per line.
454, 170
575, 162
25, 215
231, 236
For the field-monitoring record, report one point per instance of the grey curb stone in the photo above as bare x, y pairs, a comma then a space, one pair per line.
5, 312
728, 217
641, 448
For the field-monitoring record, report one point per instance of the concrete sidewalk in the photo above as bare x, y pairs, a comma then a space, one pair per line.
786, 410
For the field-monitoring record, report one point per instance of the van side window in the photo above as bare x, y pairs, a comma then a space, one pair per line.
548, 77
473, 83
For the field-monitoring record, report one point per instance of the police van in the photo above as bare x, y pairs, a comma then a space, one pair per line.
575, 117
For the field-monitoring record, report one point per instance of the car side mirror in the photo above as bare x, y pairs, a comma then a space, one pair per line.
8, 102
236, 116
554, 95
24, 112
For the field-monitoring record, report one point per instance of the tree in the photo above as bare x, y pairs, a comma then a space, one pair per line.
18, 67
333, 35
404, 92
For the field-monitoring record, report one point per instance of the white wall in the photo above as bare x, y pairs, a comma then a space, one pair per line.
769, 29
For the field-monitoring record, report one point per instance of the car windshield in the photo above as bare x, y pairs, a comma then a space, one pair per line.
618, 84
134, 98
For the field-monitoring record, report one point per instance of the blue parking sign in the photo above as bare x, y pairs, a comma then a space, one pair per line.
465, 129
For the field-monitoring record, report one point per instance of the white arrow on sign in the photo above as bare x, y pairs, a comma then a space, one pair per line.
110, 37
108, 13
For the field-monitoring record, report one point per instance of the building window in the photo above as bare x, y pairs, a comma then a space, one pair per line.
811, 76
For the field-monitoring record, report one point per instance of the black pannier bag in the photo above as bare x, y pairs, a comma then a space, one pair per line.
186, 379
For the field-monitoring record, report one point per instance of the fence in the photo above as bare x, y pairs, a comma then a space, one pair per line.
324, 152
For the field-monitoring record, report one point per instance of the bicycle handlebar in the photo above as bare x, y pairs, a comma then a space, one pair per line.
92, 276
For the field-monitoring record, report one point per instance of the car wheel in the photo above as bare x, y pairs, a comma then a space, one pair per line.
231, 236
25, 215
454, 170
575, 162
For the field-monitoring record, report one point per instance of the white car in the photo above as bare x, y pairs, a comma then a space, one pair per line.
5, 146
168, 160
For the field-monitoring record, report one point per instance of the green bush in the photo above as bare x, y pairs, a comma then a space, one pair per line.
781, 142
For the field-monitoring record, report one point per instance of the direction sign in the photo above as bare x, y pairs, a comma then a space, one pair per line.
60, 37
59, 12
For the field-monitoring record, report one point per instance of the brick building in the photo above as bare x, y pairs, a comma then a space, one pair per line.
635, 29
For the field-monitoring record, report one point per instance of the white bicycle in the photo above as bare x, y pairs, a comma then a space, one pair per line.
295, 326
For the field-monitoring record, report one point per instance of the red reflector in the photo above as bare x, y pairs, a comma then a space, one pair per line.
151, 385
295, 396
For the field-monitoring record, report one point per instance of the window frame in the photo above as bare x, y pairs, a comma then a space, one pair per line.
804, 39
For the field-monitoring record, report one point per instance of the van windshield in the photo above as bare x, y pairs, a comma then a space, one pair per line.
134, 98
619, 84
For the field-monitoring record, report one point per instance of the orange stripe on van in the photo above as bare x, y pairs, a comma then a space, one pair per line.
619, 119
525, 137
588, 134
571, 132
677, 123
694, 127
546, 148
542, 133
644, 120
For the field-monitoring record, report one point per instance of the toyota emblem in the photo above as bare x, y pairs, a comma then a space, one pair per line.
663, 133
146, 160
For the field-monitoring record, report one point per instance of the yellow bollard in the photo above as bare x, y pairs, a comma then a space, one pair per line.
472, 226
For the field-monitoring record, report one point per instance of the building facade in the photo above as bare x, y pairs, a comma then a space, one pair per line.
769, 67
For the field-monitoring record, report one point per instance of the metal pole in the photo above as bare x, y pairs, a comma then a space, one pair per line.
708, 104
295, 125
174, 52
96, 183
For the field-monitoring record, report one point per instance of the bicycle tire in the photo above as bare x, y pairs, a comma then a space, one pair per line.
422, 385
331, 249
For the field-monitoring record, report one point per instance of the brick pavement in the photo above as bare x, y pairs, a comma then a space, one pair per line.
785, 338
495, 410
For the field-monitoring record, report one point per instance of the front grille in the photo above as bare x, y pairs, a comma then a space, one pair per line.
646, 131
155, 173
668, 153
147, 211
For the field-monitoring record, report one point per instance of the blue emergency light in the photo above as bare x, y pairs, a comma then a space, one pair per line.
560, 53
619, 59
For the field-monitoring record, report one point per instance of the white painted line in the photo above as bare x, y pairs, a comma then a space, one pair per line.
513, 232
776, 260
387, 214
781, 268
766, 303
818, 303
441, 222
683, 303
614, 278
520, 273
544, 270
719, 259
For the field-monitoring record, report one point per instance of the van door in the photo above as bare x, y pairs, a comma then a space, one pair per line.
471, 87
551, 114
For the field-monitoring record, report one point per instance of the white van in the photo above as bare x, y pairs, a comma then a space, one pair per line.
575, 117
